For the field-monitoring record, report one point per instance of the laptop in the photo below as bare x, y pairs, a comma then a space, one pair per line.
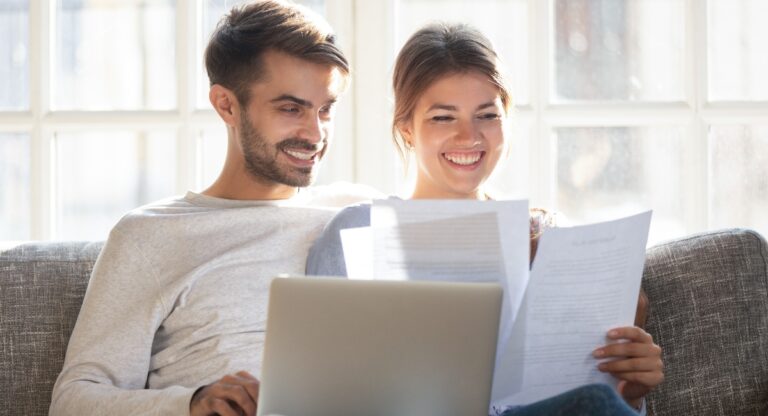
382, 348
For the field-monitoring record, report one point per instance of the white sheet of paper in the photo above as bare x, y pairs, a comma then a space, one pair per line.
585, 280
513, 225
463, 248
357, 244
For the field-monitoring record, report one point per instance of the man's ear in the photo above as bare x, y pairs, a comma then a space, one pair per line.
225, 103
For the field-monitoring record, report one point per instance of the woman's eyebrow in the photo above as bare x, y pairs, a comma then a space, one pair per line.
442, 107
486, 105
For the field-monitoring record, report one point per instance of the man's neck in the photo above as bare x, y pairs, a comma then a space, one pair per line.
239, 187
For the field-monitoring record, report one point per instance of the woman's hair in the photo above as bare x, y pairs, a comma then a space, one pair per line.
437, 50
234, 52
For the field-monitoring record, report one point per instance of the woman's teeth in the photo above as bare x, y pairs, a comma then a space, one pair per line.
300, 155
464, 158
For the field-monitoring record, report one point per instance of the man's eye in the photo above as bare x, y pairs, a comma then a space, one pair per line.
291, 109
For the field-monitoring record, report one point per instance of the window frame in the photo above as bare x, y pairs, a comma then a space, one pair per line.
362, 149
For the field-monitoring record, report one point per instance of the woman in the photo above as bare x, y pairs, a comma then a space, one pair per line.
451, 108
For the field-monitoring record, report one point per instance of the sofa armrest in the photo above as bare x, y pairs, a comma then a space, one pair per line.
709, 312
41, 291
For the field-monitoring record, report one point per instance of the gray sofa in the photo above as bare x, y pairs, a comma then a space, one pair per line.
709, 312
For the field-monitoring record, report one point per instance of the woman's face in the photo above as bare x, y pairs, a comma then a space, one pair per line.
457, 135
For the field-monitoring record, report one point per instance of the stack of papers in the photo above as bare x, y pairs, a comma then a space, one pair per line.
584, 281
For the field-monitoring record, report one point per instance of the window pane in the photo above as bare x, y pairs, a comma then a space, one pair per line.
504, 22
619, 50
212, 151
605, 173
14, 59
213, 11
738, 50
116, 55
510, 178
14, 186
102, 175
739, 177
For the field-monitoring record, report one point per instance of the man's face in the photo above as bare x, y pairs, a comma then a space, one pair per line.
286, 126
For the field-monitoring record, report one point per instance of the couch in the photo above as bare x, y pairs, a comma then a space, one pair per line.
709, 312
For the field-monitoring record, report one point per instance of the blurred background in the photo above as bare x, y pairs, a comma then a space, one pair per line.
621, 106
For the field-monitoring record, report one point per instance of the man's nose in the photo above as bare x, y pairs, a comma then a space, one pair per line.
313, 129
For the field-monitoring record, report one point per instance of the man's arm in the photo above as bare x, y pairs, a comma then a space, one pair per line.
108, 357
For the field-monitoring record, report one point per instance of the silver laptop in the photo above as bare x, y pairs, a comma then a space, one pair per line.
341, 347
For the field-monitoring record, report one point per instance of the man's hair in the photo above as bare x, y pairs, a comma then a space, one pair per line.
233, 57
435, 51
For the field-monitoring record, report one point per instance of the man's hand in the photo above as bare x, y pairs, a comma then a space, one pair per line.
637, 362
233, 395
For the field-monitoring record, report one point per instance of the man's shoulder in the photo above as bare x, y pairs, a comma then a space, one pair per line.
153, 210
146, 220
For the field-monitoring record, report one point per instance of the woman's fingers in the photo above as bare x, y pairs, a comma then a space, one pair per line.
631, 333
631, 365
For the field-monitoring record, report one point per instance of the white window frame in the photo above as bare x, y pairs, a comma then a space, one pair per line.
362, 149
694, 114
40, 122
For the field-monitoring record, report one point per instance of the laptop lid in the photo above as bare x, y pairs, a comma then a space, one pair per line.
389, 348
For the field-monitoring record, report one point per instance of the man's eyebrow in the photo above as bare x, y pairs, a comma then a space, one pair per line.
301, 102
291, 98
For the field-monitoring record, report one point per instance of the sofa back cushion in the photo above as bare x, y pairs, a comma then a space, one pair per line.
41, 290
709, 312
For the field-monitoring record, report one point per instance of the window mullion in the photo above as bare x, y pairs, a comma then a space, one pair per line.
187, 13
41, 172
542, 185
373, 58
697, 203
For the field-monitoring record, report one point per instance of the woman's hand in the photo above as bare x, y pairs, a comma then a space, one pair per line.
636, 362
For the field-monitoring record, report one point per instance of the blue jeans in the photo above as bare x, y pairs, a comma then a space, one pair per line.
590, 400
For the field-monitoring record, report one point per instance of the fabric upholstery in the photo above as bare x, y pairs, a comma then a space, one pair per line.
41, 289
709, 312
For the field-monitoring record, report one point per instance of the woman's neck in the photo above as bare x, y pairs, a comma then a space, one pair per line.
438, 194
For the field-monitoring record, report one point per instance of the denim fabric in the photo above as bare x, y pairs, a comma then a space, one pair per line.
590, 400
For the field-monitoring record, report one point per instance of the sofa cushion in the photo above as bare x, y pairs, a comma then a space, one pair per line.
709, 313
41, 290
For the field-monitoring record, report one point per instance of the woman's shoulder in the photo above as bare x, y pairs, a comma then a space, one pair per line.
351, 216
542, 218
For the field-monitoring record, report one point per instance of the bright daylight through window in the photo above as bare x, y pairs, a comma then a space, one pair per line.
620, 106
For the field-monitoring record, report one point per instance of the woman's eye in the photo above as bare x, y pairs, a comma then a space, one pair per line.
490, 116
442, 119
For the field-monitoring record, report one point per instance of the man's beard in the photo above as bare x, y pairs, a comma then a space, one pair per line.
261, 158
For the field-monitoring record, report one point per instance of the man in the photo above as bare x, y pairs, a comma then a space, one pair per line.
173, 319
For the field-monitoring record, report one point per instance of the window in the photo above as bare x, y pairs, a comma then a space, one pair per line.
621, 105
103, 107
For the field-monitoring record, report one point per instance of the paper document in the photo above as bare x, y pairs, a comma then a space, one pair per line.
449, 240
511, 236
585, 280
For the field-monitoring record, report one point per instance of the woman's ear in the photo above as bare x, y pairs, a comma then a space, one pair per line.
406, 130
225, 103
